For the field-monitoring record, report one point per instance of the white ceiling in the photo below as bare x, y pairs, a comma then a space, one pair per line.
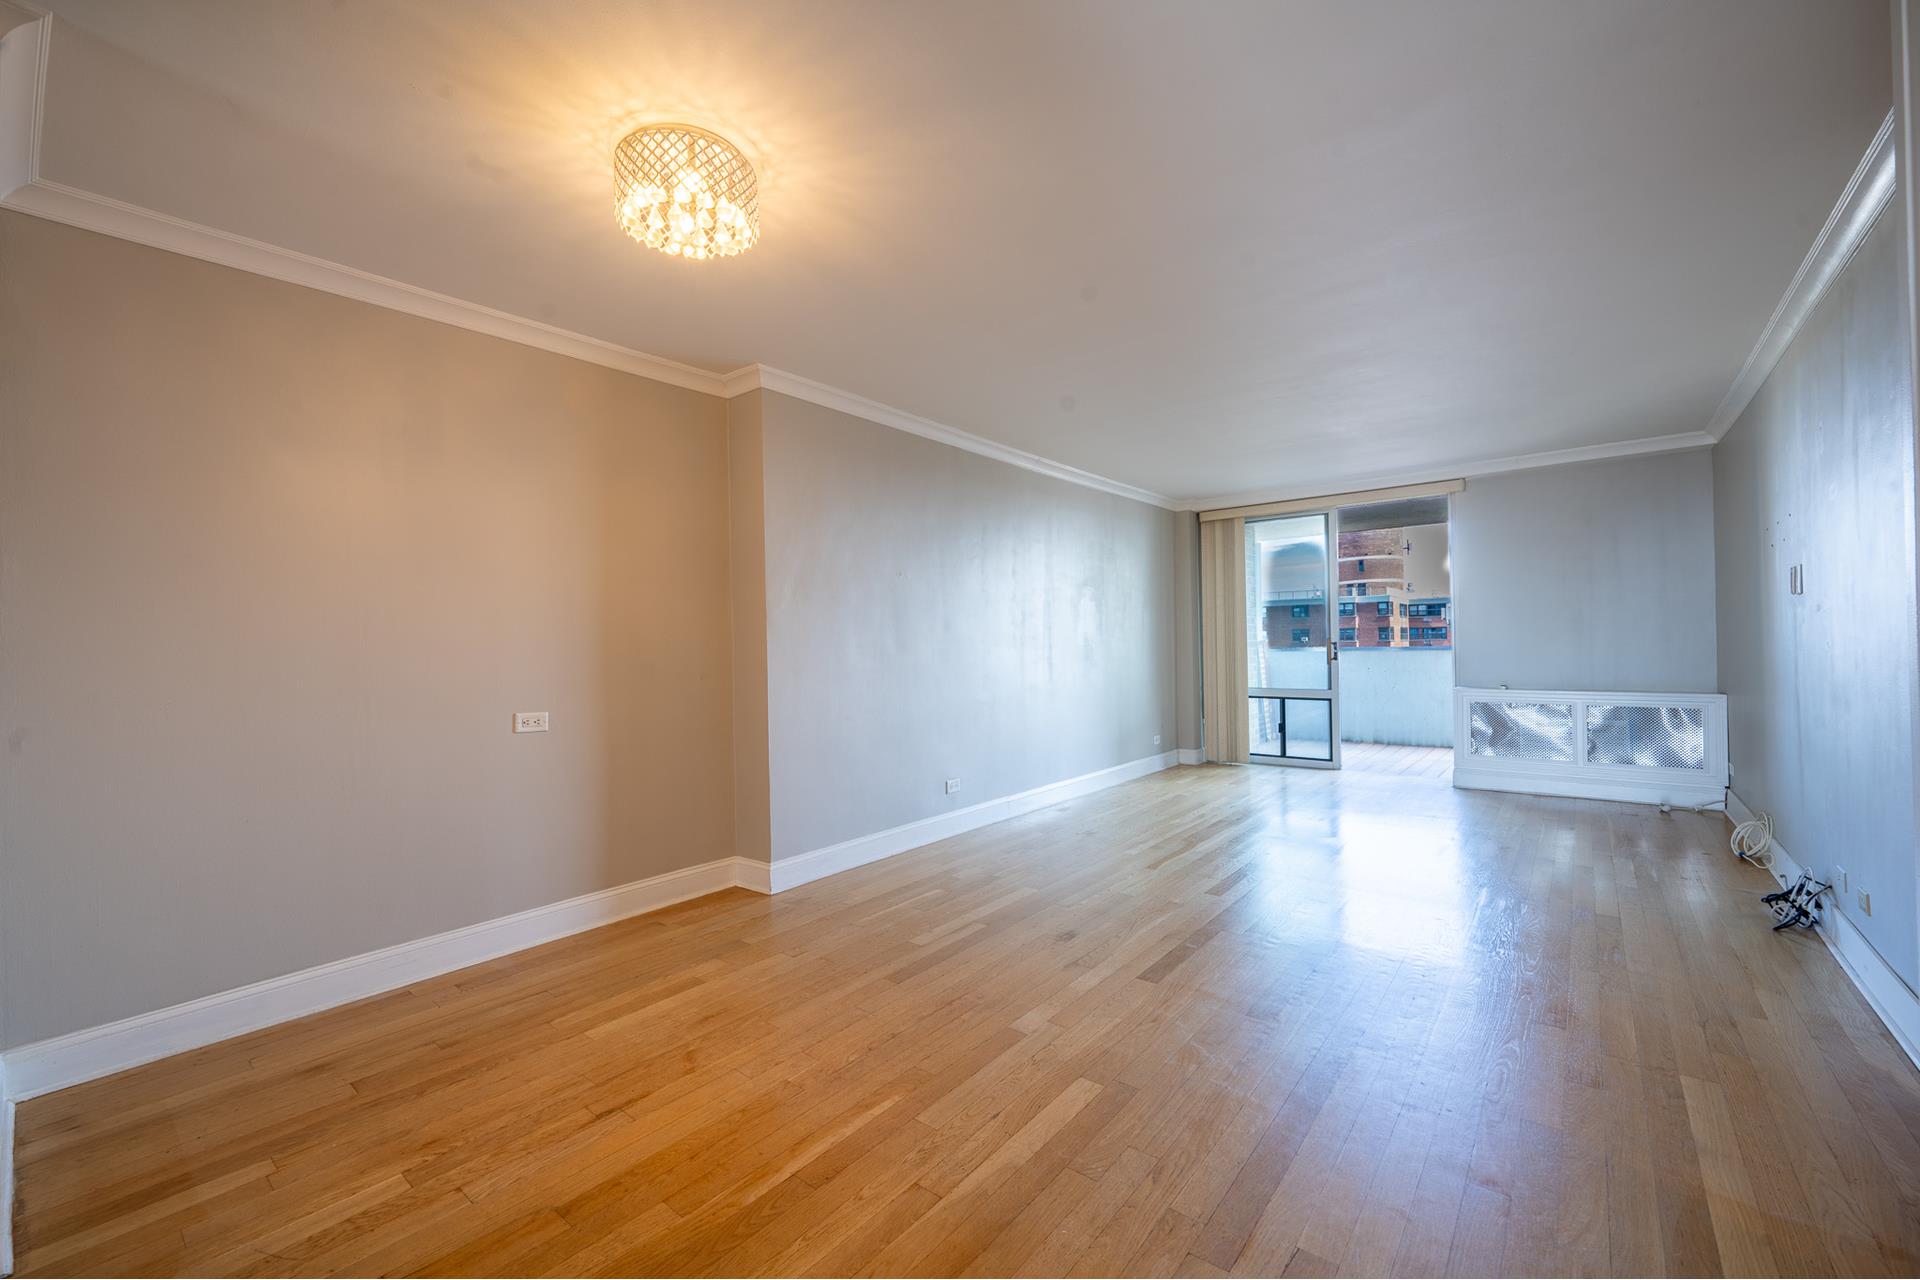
1200, 249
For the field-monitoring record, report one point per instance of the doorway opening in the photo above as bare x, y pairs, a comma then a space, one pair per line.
1394, 629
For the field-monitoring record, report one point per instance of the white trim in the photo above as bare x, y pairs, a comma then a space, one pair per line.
6, 1175
89, 212
42, 1067
1884, 991
1191, 755
1866, 194
768, 378
1521, 782
1580, 780
803, 868
23, 64
1441, 472
749, 873
47, 1065
1332, 501
24, 54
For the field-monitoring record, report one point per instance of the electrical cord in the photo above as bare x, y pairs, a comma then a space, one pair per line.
1753, 841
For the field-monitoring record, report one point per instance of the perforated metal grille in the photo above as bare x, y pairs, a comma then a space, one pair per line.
1538, 731
1649, 737
685, 192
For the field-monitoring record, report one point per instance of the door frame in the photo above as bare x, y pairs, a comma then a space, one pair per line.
1330, 695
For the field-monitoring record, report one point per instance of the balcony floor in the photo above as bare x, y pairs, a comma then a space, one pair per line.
1410, 762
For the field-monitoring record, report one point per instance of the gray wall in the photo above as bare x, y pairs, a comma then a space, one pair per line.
1186, 633
276, 568
1819, 471
1593, 576
933, 614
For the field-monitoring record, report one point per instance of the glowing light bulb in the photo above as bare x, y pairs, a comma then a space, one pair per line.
685, 192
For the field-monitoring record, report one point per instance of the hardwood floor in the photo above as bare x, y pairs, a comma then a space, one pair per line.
1247, 1021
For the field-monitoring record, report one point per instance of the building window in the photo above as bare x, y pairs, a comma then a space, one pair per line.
1301, 635
1383, 608
1360, 569
1346, 610
1386, 634
1403, 610
1438, 633
1300, 611
1403, 633
1346, 635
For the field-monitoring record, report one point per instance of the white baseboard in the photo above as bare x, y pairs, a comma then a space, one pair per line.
1191, 755
802, 868
6, 1174
42, 1067
1570, 786
1884, 991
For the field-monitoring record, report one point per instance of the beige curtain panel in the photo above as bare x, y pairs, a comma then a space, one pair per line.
1223, 638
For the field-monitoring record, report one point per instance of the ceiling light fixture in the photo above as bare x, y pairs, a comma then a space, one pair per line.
685, 192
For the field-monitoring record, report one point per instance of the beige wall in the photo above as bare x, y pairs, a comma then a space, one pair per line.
275, 570
934, 614
747, 498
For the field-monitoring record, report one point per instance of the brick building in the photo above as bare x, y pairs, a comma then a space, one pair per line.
1375, 605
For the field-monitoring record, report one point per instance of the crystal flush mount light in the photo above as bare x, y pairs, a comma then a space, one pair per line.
685, 192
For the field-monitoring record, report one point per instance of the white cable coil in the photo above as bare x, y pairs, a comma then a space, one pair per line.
1753, 840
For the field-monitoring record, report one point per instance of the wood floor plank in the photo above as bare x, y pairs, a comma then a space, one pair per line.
1213, 1021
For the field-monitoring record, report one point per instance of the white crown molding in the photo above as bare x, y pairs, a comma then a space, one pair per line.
24, 55
1456, 471
1866, 194
767, 378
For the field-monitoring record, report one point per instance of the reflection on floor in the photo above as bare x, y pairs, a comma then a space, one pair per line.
1412, 762
1224, 1019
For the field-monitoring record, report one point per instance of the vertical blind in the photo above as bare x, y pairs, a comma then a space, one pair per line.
1223, 638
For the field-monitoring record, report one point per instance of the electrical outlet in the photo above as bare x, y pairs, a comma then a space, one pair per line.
1840, 874
529, 722
1156, 739
953, 785
1866, 903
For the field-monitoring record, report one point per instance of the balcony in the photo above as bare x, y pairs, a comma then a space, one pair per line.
1402, 696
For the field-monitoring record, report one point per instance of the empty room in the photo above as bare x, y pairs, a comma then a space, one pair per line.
1002, 638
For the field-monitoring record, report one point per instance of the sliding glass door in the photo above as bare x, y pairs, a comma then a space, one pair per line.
1293, 671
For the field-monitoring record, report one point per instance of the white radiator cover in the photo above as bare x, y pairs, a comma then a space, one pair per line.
1648, 748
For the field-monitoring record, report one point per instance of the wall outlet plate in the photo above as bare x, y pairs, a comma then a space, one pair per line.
1156, 739
953, 785
1866, 903
530, 722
